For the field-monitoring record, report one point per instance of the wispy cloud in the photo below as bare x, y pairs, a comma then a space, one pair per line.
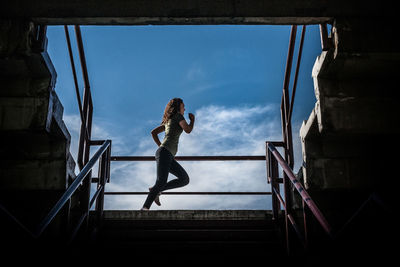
99, 132
218, 130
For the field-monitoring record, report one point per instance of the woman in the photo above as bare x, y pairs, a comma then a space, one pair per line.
173, 123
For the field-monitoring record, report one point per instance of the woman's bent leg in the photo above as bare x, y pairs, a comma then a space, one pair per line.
182, 176
164, 160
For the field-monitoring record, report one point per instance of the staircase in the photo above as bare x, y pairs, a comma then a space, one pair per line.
36, 166
215, 235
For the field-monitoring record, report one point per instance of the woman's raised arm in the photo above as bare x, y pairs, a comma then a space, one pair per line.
187, 127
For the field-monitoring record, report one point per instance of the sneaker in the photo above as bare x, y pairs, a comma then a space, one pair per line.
157, 199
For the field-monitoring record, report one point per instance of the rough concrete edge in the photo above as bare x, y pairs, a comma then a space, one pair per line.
188, 214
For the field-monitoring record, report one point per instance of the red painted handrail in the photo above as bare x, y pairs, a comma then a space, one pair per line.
303, 192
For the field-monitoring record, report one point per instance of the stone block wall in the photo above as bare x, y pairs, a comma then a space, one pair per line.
351, 139
36, 166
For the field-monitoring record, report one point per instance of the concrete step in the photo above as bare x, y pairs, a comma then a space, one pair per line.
227, 235
32, 145
45, 174
35, 162
37, 159
31, 113
198, 236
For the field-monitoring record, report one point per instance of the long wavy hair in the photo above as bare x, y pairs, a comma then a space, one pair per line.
172, 108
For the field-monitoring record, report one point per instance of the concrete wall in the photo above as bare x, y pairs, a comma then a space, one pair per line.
350, 137
35, 164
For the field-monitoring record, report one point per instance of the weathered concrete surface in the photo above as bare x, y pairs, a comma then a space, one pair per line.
217, 236
354, 128
354, 99
35, 163
188, 215
192, 11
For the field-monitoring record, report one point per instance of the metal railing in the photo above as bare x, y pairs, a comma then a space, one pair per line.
274, 158
86, 114
192, 158
102, 155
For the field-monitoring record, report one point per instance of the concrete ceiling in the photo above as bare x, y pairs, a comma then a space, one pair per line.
165, 12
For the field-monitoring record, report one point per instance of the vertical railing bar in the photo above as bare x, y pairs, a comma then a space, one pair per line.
100, 187
276, 184
305, 224
300, 52
82, 56
287, 211
107, 165
95, 197
71, 58
272, 172
286, 125
281, 201
289, 61
296, 229
83, 138
88, 113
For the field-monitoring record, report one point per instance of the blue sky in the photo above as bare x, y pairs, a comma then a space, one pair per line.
230, 77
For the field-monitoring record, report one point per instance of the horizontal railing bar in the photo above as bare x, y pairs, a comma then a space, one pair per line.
278, 180
96, 142
188, 158
190, 193
277, 143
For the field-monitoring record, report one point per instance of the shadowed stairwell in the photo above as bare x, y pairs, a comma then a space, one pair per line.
338, 209
182, 234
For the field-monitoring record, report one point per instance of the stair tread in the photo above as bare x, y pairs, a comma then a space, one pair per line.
188, 215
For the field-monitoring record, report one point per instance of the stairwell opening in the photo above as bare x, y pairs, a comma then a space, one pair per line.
230, 76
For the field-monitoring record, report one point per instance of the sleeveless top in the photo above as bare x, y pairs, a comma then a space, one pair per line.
172, 133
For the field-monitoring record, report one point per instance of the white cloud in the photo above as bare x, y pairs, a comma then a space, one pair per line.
218, 130
235, 131
99, 132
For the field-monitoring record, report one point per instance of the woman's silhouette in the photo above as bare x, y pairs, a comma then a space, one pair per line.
173, 123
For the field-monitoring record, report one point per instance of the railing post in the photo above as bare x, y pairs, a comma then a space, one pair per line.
108, 162
100, 185
286, 123
86, 129
288, 210
272, 171
305, 215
